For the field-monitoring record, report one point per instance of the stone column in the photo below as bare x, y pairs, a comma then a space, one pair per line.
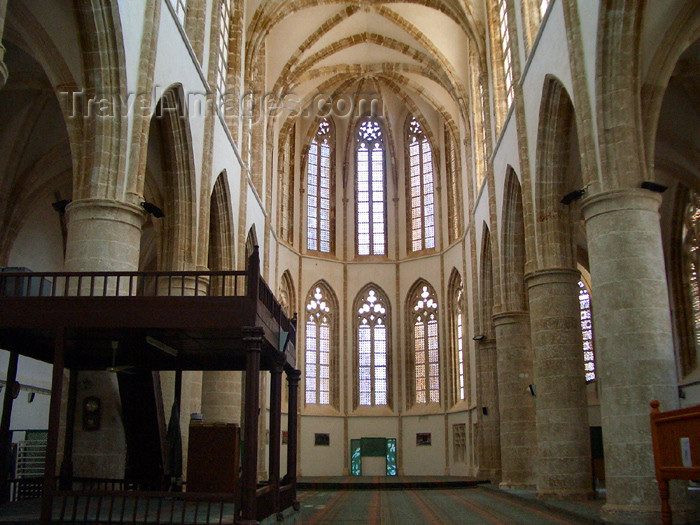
221, 396
516, 403
634, 343
489, 439
563, 436
3, 68
103, 235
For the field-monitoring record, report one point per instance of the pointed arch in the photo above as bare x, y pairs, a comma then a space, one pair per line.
177, 163
285, 191
486, 285
455, 206
221, 228
554, 139
420, 185
372, 357
423, 372
459, 359
287, 296
103, 164
513, 245
251, 241
318, 159
321, 360
370, 188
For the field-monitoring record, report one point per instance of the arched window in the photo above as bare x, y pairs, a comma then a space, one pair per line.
222, 60
420, 161
319, 188
459, 364
425, 341
319, 328
372, 358
506, 53
371, 194
584, 298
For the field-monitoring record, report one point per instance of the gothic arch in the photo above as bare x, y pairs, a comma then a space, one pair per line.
383, 299
177, 163
513, 245
221, 229
287, 294
553, 220
334, 337
486, 286
459, 358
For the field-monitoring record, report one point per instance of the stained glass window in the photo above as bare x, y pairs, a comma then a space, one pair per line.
584, 298
505, 49
222, 62
319, 190
422, 215
371, 196
318, 358
426, 346
372, 343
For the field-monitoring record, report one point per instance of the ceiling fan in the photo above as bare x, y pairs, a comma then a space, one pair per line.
122, 369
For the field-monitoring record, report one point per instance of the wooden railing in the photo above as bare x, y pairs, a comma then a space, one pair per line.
267, 298
122, 284
103, 506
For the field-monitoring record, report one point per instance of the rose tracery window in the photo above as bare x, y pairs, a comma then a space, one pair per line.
371, 194
422, 218
319, 188
426, 356
372, 350
318, 346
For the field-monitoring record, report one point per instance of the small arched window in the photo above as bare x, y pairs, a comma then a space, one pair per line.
318, 348
319, 187
371, 189
423, 313
372, 360
584, 298
422, 191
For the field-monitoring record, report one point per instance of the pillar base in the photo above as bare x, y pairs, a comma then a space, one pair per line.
566, 495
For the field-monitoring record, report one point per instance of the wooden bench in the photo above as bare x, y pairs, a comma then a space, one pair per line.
675, 436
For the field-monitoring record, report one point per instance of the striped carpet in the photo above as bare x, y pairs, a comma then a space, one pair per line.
447, 506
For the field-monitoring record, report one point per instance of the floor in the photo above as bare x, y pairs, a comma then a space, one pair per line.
476, 505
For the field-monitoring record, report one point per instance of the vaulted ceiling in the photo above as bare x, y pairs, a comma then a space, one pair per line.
417, 50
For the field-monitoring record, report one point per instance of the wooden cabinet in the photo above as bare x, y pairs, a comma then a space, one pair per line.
212, 458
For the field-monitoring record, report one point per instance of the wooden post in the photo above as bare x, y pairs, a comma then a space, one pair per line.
66, 481
253, 343
54, 422
275, 431
292, 422
5, 434
254, 275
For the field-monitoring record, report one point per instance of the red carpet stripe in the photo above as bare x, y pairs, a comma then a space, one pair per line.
531, 508
468, 504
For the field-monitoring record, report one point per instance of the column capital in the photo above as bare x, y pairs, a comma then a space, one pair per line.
106, 209
552, 275
293, 376
619, 200
514, 316
252, 334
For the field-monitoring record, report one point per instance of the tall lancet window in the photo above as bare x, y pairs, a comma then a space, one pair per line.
459, 361
319, 187
318, 347
371, 190
372, 348
506, 50
422, 218
222, 60
426, 347
584, 298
